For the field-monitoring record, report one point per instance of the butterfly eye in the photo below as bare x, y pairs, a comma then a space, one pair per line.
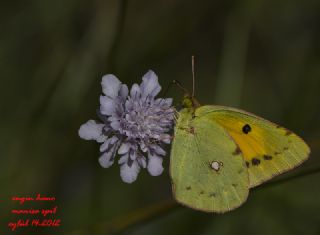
246, 129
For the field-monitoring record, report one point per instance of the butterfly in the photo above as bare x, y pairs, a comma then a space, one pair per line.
218, 153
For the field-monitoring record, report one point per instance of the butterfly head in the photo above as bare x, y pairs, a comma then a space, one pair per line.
190, 101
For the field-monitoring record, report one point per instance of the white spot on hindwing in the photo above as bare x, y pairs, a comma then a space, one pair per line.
216, 165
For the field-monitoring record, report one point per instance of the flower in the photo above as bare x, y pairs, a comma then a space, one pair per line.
135, 126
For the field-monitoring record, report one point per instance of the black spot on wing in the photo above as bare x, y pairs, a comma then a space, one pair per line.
255, 161
246, 128
267, 157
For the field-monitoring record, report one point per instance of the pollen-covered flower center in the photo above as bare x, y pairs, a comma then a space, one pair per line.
143, 119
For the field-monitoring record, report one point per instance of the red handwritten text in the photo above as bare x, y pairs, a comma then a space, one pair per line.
40, 212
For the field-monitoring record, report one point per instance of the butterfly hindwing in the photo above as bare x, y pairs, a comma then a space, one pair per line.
207, 169
268, 149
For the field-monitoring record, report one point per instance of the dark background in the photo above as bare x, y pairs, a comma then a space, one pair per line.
261, 56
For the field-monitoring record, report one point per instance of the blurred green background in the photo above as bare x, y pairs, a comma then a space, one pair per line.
261, 56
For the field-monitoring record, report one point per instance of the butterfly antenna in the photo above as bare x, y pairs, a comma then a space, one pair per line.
178, 84
193, 80
167, 89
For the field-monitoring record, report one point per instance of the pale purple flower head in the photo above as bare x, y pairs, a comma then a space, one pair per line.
134, 126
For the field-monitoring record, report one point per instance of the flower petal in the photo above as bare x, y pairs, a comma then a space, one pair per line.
150, 85
129, 174
110, 144
115, 125
123, 159
155, 167
133, 154
124, 148
143, 147
165, 138
123, 91
135, 90
158, 150
105, 145
101, 139
142, 161
114, 139
102, 117
110, 85
168, 101
106, 159
107, 105
90, 130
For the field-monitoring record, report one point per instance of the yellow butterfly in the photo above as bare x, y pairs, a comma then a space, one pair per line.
218, 153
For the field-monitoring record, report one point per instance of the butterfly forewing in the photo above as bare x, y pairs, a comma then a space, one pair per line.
267, 148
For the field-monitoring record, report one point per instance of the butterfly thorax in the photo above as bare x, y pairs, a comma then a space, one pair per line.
186, 115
